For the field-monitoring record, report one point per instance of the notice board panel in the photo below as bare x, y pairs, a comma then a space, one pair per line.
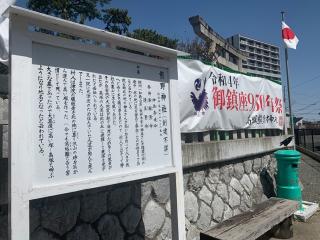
94, 115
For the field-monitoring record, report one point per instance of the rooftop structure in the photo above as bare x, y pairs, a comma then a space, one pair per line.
225, 54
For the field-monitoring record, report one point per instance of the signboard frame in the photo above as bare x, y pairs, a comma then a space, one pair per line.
21, 162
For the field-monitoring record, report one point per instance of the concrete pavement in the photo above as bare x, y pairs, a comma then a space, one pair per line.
310, 178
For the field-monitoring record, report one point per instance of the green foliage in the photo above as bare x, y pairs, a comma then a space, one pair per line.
198, 49
152, 36
73, 10
116, 20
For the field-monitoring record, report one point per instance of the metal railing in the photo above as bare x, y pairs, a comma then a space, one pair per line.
215, 135
308, 139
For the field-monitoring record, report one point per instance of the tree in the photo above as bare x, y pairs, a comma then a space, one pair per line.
152, 36
198, 49
116, 20
73, 10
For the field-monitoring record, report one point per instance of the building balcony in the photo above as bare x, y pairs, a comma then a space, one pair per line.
261, 71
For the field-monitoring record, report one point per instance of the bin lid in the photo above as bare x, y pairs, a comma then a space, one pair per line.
287, 153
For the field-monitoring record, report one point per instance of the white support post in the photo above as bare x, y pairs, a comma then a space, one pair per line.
176, 179
226, 135
206, 136
243, 134
20, 169
235, 135
177, 205
217, 133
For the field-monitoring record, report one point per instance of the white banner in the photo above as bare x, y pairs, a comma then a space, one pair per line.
211, 98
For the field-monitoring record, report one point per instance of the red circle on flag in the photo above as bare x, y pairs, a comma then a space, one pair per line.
287, 33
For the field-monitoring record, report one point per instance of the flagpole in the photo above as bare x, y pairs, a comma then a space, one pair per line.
289, 97
285, 127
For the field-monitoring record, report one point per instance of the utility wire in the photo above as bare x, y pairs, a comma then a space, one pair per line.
301, 104
308, 81
309, 113
305, 97
307, 106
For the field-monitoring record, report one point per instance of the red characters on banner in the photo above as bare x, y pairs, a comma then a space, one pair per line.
231, 99
218, 98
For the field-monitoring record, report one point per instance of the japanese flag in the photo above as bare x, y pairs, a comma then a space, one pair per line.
289, 38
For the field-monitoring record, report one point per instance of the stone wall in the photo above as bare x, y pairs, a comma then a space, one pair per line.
218, 192
141, 210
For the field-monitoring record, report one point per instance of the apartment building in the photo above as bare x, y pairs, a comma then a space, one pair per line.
263, 59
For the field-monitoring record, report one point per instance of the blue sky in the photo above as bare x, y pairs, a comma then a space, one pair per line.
256, 19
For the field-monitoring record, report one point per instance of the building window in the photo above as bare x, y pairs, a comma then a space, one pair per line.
233, 58
220, 51
242, 47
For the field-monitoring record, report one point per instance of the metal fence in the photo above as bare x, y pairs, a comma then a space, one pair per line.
215, 135
308, 139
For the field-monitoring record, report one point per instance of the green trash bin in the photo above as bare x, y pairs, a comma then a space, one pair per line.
288, 186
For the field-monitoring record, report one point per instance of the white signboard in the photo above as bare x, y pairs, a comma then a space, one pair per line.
97, 121
88, 109
211, 98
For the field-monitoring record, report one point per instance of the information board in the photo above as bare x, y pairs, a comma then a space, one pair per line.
93, 121
88, 108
